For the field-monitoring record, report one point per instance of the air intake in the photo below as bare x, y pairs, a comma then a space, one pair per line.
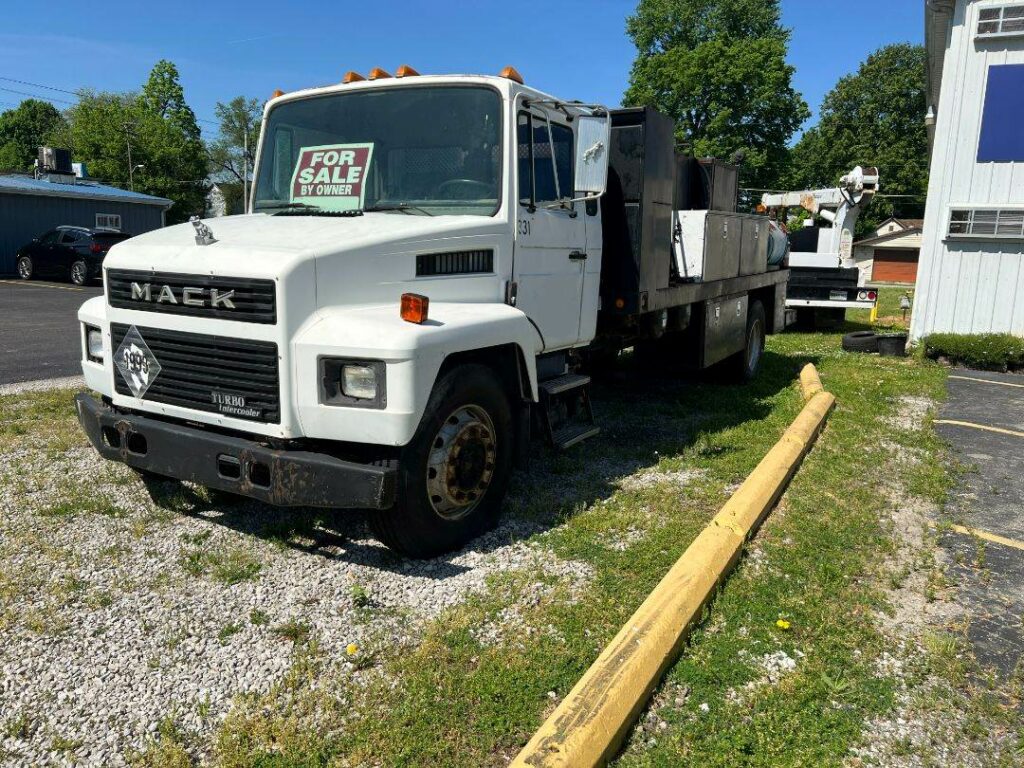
455, 263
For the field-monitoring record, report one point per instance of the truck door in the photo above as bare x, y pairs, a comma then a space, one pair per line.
550, 248
591, 270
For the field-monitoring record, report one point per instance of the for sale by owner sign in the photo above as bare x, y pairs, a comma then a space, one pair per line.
333, 176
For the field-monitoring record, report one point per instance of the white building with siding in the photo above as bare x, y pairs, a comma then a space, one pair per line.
971, 272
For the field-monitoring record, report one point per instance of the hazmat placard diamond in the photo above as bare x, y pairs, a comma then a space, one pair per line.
136, 362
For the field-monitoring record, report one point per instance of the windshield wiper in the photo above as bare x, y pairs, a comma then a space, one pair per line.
305, 209
403, 207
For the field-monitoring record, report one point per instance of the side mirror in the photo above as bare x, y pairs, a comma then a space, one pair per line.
593, 137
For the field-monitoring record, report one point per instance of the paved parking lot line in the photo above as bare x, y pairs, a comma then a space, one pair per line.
27, 284
986, 535
987, 381
972, 425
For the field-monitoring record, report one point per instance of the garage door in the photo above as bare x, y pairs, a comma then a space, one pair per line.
895, 266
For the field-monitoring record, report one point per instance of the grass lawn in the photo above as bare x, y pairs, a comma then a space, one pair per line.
822, 564
790, 667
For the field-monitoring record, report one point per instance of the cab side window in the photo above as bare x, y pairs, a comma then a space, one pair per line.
545, 160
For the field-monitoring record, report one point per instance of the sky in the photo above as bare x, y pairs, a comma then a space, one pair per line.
573, 49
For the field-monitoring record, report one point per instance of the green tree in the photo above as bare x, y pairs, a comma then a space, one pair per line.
23, 130
114, 133
874, 117
718, 67
232, 154
171, 144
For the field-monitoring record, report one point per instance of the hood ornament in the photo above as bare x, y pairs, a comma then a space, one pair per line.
204, 235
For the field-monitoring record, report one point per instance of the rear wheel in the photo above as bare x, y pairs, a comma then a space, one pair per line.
25, 268
79, 272
745, 364
453, 475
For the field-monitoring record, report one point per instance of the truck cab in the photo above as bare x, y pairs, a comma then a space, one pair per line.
406, 301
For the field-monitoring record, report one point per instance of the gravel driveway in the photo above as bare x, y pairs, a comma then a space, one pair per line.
126, 604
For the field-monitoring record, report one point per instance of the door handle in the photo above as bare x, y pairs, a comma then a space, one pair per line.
578, 256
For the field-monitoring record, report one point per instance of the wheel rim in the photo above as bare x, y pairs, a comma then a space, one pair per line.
461, 463
754, 346
24, 268
78, 273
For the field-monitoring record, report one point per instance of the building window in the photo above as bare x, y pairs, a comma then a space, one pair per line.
987, 223
108, 221
1001, 20
1002, 140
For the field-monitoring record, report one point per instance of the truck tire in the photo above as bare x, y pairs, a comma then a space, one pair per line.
453, 474
744, 365
861, 341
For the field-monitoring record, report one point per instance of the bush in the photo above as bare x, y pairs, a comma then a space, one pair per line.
985, 351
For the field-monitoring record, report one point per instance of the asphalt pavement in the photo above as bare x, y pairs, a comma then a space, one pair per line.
983, 420
39, 335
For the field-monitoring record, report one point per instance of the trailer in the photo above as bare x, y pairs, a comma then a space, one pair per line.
429, 269
824, 276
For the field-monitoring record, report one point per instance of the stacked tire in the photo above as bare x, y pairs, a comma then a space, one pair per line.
885, 344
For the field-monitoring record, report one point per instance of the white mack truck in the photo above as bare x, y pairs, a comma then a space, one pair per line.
428, 267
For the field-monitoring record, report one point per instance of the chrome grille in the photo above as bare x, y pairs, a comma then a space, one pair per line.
197, 371
254, 301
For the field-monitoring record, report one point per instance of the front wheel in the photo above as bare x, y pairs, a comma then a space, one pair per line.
79, 273
453, 475
24, 267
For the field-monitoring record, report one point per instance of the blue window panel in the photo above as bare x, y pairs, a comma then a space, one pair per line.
1002, 127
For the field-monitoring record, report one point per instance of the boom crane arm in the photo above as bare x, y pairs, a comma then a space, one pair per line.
841, 206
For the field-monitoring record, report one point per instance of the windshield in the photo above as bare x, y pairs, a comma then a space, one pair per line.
421, 150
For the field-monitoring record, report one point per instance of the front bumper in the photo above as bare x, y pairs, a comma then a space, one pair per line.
288, 478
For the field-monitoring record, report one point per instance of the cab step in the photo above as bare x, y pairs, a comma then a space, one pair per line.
570, 434
566, 414
564, 383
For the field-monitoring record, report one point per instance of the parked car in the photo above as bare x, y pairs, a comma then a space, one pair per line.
68, 253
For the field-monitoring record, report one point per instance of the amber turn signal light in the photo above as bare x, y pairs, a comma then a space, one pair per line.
406, 71
414, 308
377, 73
352, 77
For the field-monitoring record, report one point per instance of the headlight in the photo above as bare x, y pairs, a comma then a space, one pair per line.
359, 381
94, 344
353, 383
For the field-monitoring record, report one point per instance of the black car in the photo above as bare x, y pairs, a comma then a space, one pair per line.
68, 253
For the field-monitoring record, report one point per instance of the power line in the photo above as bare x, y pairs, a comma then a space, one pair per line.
39, 85
36, 96
77, 93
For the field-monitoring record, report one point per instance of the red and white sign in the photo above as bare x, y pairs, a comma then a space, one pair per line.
333, 176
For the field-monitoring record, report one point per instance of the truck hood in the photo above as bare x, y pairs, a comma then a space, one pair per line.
265, 246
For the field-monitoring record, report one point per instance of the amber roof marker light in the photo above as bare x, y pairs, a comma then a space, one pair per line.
406, 71
352, 77
510, 73
277, 93
379, 74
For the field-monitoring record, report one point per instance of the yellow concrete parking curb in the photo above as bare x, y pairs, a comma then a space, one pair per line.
810, 383
588, 725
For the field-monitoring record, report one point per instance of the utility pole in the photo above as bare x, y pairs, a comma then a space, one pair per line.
131, 168
245, 165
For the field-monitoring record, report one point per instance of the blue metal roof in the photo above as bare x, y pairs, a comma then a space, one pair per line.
27, 185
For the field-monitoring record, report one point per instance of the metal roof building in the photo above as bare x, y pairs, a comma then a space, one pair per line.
971, 272
30, 206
